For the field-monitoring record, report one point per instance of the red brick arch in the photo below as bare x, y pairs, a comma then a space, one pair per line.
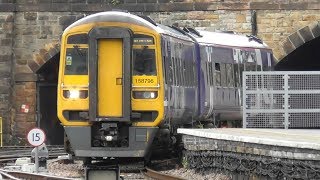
298, 38
44, 55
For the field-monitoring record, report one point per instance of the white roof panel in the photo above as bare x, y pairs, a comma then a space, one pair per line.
228, 39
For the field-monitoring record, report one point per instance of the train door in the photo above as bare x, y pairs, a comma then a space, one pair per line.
110, 74
110, 77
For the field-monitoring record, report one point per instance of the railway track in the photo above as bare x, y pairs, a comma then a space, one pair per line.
149, 173
15, 175
11, 153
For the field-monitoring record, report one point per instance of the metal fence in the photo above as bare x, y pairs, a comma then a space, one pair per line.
281, 99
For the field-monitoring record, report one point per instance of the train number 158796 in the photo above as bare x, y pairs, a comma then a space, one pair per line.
144, 81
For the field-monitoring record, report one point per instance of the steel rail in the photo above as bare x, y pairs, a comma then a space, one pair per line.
149, 173
29, 155
23, 175
8, 158
5, 175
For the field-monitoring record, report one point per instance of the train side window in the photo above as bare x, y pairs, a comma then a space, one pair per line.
170, 69
207, 73
181, 71
270, 59
189, 73
217, 74
165, 69
177, 71
223, 75
241, 69
192, 77
259, 68
236, 75
184, 72
174, 70
185, 64
211, 78
230, 79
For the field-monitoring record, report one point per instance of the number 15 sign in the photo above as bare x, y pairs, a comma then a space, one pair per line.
36, 137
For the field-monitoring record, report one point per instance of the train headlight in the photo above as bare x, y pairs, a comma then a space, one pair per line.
145, 94
75, 94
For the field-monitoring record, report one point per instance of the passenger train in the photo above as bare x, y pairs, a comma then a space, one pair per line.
126, 82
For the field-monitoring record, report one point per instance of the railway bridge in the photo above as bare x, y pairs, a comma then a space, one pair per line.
30, 32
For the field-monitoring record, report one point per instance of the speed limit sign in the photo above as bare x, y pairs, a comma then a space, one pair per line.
36, 137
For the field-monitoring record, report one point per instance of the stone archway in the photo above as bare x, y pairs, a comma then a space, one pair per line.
44, 55
301, 50
45, 64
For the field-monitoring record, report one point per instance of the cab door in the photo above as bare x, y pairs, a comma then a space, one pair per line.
110, 52
110, 86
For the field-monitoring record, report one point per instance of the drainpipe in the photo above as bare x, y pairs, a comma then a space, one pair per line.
254, 22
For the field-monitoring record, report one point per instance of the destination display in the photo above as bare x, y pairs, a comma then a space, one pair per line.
143, 41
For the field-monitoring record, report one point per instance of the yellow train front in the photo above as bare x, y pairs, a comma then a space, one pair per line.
110, 93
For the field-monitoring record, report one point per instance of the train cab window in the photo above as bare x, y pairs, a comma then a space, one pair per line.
217, 74
76, 62
144, 62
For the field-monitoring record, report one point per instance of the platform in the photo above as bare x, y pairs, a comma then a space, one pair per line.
270, 153
281, 143
300, 138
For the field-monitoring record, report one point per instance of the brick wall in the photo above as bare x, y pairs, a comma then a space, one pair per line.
28, 25
6, 63
274, 26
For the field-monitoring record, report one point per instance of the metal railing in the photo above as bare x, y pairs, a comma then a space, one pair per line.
281, 99
1, 129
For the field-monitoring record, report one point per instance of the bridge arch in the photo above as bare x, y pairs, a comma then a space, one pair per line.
45, 64
301, 50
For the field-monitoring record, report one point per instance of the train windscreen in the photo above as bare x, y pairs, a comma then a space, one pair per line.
76, 61
144, 62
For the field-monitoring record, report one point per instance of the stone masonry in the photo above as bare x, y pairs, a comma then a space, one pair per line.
28, 26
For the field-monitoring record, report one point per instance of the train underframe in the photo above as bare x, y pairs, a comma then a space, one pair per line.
110, 140
121, 140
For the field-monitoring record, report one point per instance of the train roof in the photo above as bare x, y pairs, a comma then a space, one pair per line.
228, 39
114, 16
216, 38
118, 16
